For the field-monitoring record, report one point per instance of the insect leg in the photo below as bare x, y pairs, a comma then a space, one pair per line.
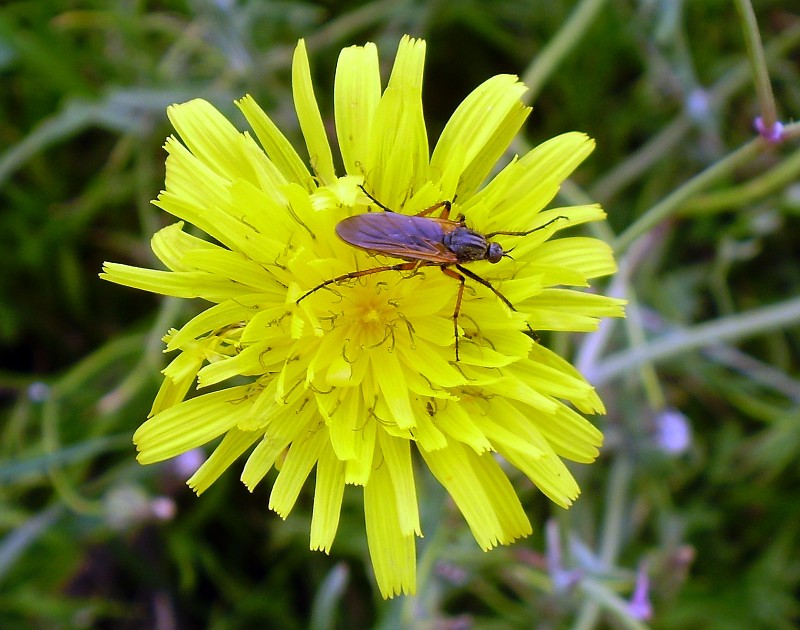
487, 284
358, 274
457, 309
442, 204
526, 232
424, 213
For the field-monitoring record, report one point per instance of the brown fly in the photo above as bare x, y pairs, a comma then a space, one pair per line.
423, 241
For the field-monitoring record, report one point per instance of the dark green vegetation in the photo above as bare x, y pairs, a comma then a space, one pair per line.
668, 92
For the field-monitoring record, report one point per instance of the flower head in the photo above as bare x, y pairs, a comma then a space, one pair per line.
353, 375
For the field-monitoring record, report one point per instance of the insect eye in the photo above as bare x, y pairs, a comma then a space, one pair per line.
494, 253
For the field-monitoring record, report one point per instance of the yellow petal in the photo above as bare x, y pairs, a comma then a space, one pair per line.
482, 493
357, 91
479, 131
190, 424
212, 139
302, 457
392, 552
293, 424
305, 103
277, 147
232, 446
397, 455
398, 150
527, 185
327, 500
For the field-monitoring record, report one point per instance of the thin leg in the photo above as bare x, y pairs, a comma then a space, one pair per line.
487, 284
424, 213
445, 205
526, 232
457, 309
358, 274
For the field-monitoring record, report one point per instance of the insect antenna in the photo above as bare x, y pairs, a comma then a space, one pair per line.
375, 201
526, 232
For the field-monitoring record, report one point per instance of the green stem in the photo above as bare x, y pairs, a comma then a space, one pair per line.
606, 599
734, 327
559, 46
777, 178
669, 206
647, 373
67, 492
668, 138
613, 526
758, 62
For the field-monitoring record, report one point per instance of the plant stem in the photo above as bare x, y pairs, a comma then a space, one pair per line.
670, 204
783, 174
758, 63
559, 46
753, 322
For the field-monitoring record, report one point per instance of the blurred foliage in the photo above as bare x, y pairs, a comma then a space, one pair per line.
89, 538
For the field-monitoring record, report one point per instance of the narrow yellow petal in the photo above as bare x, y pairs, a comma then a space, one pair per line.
392, 552
397, 455
549, 474
530, 183
293, 425
489, 505
253, 360
302, 457
212, 138
359, 468
179, 376
190, 424
327, 500
357, 91
590, 257
570, 434
305, 103
182, 284
428, 435
458, 424
395, 391
343, 424
216, 317
232, 446
479, 131
277, 147
398, 152
513, 522
564, 309
171, 243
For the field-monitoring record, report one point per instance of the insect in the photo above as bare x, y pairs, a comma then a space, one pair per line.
423, 241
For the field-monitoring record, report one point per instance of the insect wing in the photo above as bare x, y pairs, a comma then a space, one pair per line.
397, 235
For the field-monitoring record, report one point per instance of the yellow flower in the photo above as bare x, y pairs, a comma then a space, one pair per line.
359, 371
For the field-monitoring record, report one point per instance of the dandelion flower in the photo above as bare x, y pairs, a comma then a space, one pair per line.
362, 373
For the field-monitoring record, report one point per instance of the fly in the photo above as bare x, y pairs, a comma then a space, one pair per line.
423, 241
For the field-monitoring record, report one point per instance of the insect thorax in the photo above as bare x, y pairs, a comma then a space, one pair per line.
466, 244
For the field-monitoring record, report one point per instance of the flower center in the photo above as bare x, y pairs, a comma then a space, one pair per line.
374, 317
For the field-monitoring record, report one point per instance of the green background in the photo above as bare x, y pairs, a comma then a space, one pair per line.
667, 90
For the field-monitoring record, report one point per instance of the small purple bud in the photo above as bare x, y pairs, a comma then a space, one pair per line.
698, 104
186, 464
640, 607
772, 134
673, 432
38, 392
